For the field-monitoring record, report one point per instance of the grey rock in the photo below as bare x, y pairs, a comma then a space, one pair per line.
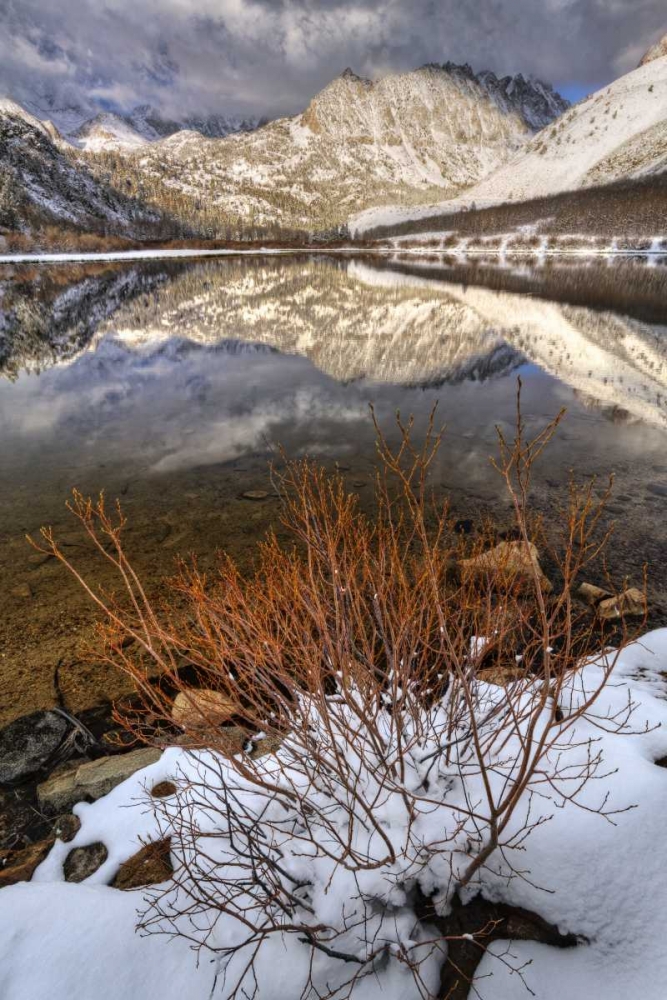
27, 744
83, 862
657, 489
92, 780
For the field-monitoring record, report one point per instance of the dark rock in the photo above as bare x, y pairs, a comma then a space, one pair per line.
149, 866
66, 827
83, 862
19, 866
27, 744
657, 489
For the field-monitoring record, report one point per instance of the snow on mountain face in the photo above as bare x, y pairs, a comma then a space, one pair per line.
536, 102
358, 143
656, 51
619, 132
42, 182
108, 131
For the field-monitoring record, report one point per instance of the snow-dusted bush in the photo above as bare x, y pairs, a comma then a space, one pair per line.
428, 706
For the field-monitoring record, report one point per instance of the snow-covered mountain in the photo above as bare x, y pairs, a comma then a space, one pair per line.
358, 143
619, 132
43, 182
656, 51
108, 131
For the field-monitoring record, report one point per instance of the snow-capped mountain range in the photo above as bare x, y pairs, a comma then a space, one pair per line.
619, 132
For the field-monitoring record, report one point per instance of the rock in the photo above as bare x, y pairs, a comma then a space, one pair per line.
66, 827
83, 862
630, 604
591, 594
509, 561
163, 790
92, 780
200, 708
21, 592
266, 746
657, 489
149, 866
254, 495
502, 676
19, 866
27, 744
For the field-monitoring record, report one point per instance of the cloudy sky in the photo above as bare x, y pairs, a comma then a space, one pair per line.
270, 56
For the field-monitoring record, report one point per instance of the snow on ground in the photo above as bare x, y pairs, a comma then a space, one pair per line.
617, 132
604, 881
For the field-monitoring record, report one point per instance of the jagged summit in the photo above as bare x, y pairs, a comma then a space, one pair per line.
656, 51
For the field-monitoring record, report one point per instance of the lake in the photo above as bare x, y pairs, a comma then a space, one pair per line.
174, 385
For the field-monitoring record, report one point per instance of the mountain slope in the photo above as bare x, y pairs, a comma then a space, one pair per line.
656, 51
42, 183
108, 131
619, 132
359, 142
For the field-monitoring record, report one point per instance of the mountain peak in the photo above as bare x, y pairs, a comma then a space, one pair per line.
656, 51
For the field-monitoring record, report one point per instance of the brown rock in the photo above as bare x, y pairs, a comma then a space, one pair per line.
92, 780
201, 708
149, 866
630, 604
508, 561
592, 594
19, 866
163, 790
255, 495
502, 676
83, 862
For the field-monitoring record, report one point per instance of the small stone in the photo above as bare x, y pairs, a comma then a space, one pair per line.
502, 676
657, 489
21, 592
201, 708
83, 862
267, 745
19, 866
149, 866
66, 827
39, 558
92, 780
591, 594
254, 495
358, 484
27, 744
630, 604
163, 790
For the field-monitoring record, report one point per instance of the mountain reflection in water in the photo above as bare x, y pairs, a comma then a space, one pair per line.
172, 385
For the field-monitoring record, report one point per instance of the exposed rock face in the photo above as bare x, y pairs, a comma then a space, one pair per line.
201, 709
19, 866
27, 744
656, 51
536, 102
92, 780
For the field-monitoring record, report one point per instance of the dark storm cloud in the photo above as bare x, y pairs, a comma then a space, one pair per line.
270, 56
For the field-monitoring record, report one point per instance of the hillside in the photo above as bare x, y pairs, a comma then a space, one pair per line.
656, 51
618, 133
43, 183
403, 139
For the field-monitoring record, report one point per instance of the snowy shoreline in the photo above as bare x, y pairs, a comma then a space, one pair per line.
138, 255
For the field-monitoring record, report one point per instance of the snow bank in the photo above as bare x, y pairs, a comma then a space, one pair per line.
603, 880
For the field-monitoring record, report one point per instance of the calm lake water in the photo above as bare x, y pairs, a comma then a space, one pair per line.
173, 385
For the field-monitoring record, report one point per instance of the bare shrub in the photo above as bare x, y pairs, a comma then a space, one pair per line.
426, 718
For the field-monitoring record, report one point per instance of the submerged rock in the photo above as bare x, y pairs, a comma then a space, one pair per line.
27, 744
82, 862
92, 780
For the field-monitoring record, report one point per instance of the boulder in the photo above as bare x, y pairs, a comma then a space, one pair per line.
508, 561
82, 862
19, 866
92, 780
591, 594
201, 708
149, 866
630, 604
27, 744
